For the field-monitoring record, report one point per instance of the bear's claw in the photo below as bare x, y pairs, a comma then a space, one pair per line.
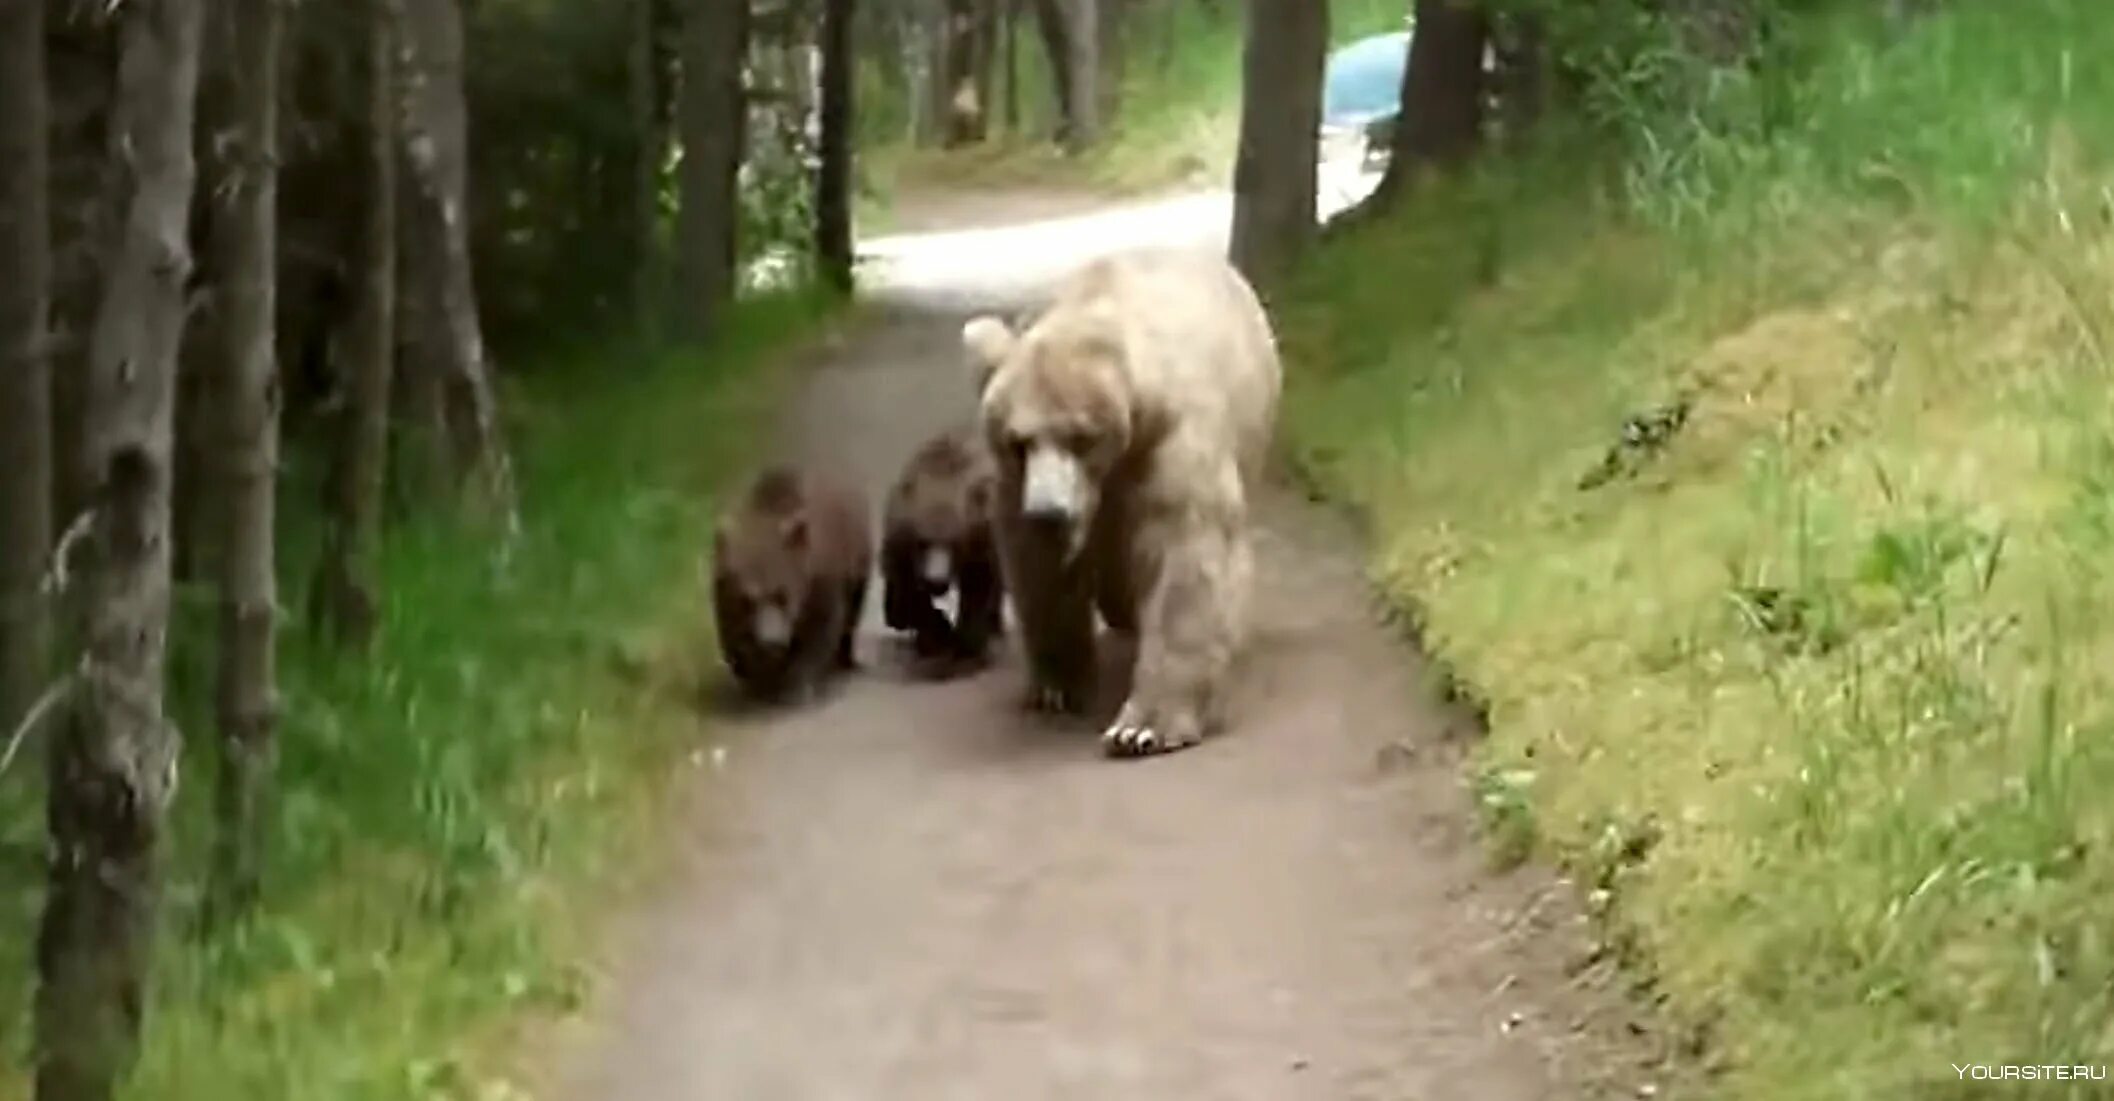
1050, 699
1128, 739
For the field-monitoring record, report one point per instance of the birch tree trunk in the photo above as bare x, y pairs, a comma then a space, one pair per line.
247, 449
448, 345
345, 596
113, 768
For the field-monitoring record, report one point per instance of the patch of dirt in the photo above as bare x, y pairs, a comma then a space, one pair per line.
915, 891
930, 210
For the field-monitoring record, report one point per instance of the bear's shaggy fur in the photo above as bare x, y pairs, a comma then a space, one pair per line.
936, 538
1128, 423
790, 562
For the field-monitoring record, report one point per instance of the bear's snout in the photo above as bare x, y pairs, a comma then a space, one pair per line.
773, 626
1053, 488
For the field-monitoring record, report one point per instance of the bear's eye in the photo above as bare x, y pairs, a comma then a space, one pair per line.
1078, 441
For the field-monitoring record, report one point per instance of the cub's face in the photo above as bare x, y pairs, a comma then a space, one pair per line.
1057, 420
766, 561
943, 513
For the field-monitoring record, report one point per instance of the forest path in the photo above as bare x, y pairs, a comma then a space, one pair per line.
914, 891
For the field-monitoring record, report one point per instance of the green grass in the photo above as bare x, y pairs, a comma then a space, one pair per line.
1815, 697
450, 804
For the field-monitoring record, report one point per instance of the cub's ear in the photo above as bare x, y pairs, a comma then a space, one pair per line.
988, 342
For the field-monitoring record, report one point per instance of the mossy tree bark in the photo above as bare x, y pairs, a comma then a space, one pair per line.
113, 766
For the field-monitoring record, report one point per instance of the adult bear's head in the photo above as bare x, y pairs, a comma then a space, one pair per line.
1056, 408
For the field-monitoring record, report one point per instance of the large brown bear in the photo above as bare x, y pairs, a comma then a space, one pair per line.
936, 540
790, 562
1128, 423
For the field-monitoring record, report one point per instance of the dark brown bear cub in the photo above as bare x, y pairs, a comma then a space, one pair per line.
790, 563
936, 540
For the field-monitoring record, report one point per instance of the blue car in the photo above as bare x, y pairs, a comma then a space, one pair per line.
1361, 90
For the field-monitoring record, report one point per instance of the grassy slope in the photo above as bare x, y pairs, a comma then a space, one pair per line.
1817, 695
449, 804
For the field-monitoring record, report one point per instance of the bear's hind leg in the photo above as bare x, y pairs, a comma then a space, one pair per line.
979, 610
855, 594
818, 640
1058, 628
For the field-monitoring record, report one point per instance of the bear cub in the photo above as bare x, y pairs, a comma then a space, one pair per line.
937, 540
790, 561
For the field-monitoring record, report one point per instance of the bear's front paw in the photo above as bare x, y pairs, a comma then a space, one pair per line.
1137, 734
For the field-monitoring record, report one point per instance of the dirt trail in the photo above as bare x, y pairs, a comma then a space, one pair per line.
914, 891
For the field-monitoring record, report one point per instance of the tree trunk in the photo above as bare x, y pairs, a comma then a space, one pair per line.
448, 341
81, 78
988, 22
345, 597
1441, 122
833, 229
1110, 21
1720, 32
113, 768
1009, 44
963, 98
644, 64
1054, 24
936, 91
246, 241
715, 42
1274, 176
199, 375
1084, 34
1523, 72
25, 365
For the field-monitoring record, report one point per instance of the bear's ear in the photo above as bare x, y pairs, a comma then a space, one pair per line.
988, 342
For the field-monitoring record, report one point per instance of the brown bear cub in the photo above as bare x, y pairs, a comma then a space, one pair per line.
936, 540
790, 563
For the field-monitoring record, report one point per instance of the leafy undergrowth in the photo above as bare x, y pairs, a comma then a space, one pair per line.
450, 803
1764, 488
